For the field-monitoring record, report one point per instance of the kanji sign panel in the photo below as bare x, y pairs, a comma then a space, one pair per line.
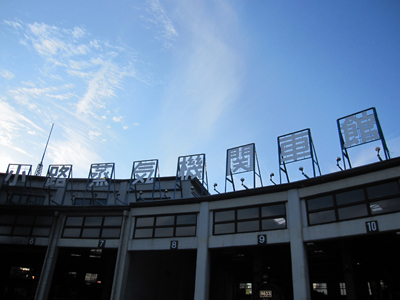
359, 128
100, 174
57, 175
144, 171
191, 166
240, 159
295, 146
19, 172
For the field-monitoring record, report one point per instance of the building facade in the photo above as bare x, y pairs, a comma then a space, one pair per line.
335, 236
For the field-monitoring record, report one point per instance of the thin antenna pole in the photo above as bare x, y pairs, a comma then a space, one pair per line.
40, 165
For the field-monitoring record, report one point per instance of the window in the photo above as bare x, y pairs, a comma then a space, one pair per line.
165, 226
247, 287
250, 219
93, 227
320, 288
356, 203
342, 286
26, 225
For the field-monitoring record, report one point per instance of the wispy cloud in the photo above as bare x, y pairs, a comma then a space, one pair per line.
79, 79
13, 125
158, 16
6, 74
14, 24
206, 84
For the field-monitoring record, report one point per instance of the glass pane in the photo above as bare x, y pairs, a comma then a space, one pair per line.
385, 206
166, 220
352, 212
273, 210
74, 221
248, 226
350, 197
224, 228
91, 232
322, 217
112, 221
271, 224
185, 219
143, 233
144, 222
383, 190
185, 231
93, 221
44, 220
320, 202
41, 231
222, 216
72, 232
22, 230
5, 230
110, 233
25, 220
248, 213
164, 232
7, 219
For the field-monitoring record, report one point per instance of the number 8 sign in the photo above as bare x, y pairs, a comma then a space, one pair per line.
174, 245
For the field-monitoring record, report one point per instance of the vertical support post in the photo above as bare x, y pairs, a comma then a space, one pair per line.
123, 259
300, 275
202, 284
43, 289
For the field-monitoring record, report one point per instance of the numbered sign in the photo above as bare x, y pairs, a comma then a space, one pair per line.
262, 239
31, 241
265, 294
372, 226
102, 244
173, 245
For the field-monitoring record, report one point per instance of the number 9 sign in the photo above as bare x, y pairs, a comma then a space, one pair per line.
262, 239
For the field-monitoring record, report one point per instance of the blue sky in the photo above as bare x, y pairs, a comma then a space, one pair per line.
135, 80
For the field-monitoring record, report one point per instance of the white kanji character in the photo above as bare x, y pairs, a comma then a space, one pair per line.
144, 170
294, 146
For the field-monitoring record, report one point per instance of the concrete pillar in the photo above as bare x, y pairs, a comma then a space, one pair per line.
50, 260
202, 284
123, 259
300, 275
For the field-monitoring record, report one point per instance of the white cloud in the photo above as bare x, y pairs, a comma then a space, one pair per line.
51, 40
12, 122
93, 134
14, 24
125, 127
99, 88
160, 19
89, 67
7, 74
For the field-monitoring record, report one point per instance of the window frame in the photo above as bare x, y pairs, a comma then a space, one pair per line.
236, 220
174, 226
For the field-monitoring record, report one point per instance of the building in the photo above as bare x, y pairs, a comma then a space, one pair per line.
335, 236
